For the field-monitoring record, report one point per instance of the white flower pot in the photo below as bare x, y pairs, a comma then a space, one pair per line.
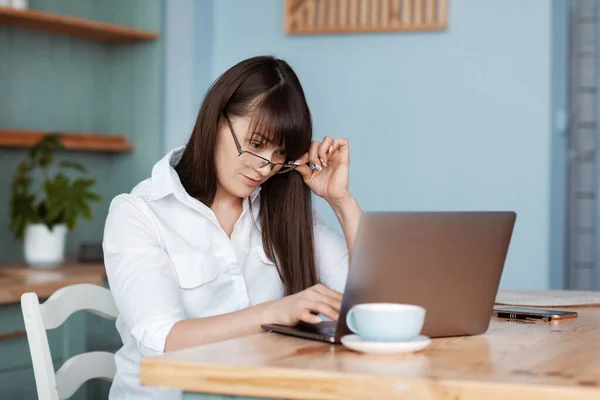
19, 4
45, 248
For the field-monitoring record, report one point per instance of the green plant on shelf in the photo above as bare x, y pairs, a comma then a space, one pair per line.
43, 193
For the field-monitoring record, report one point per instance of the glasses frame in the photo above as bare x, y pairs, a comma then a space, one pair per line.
241, 151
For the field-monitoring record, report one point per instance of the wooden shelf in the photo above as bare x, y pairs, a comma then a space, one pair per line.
70, 26
332, 17
71, 141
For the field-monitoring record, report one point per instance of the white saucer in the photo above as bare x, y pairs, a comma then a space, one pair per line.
356, 343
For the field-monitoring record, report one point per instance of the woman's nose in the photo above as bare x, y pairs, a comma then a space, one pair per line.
264, 170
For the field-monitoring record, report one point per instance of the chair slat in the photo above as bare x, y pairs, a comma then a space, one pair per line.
80, 297
81, 368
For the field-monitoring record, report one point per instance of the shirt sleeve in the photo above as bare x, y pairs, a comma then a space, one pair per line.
331, 255
141, 276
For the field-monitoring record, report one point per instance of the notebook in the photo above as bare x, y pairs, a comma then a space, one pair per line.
548, 298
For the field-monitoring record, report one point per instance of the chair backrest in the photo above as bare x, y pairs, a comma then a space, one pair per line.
78, 369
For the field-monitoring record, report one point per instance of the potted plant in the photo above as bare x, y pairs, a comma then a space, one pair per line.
46, 202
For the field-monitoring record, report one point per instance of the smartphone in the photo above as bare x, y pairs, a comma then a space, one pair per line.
531, 314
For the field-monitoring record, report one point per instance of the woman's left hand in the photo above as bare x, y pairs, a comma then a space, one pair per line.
329, 178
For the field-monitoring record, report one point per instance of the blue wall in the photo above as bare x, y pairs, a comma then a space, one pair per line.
454, 120
112, 89
560, 109
187, 66
179, 37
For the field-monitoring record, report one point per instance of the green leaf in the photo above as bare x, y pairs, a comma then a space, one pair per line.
84, 183
22, 210
24, 167
63, 200
51, 141
45, 159
86, 211
72, 165
21, 180
93, 196
70, 200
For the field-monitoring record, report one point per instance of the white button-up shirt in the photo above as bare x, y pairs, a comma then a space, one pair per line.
168, 259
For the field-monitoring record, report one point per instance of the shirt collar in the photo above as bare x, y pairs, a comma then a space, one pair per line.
165, 180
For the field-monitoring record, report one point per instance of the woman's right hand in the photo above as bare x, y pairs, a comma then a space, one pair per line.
303, 306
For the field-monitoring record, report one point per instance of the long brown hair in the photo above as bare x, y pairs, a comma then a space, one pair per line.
267, 89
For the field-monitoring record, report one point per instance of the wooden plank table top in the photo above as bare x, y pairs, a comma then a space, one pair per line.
16, 279
512, 360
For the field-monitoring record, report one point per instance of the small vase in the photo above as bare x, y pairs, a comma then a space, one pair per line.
19, 4
45, 248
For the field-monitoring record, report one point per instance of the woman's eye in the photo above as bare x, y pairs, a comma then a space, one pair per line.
281, 153
255, 145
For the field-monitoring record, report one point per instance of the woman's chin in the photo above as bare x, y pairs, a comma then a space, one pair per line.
244, 191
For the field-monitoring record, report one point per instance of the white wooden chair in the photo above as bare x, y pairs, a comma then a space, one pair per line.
80, 368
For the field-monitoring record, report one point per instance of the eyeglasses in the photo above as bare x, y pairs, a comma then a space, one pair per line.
254, 160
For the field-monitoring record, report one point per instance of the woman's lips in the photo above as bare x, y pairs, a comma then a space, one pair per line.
254, 182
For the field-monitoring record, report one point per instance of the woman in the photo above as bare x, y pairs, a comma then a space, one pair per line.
222, 238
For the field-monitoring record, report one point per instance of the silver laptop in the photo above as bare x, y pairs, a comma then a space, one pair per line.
448, 262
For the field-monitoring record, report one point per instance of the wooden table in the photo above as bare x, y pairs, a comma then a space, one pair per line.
16, 279
512, 360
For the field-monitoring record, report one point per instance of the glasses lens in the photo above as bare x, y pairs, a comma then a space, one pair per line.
252, 160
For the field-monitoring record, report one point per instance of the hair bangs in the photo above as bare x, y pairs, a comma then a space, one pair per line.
275, 121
